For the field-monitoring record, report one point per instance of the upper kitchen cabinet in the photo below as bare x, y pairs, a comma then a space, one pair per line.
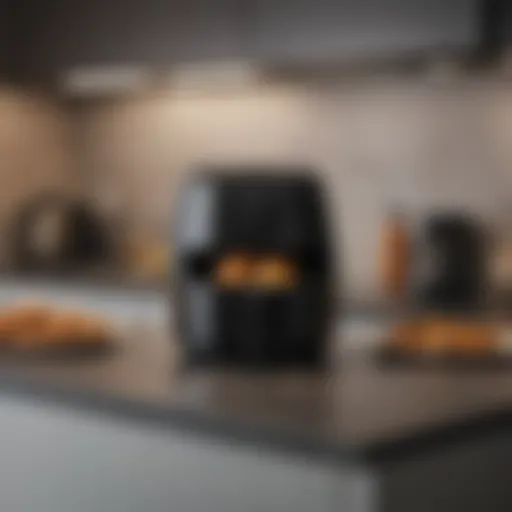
499, 27
4, 38
62, 34
347, 30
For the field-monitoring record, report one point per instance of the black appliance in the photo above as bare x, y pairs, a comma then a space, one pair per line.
457, 277
53, 233
254, 213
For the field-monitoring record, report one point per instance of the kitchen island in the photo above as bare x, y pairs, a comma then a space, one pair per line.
134, 430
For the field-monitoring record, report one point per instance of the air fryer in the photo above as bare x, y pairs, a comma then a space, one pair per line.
253, 269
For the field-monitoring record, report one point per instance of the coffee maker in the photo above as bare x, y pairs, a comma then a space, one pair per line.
253, 273
457, 276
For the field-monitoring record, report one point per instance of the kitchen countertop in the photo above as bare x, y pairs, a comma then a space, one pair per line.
355, 411
94, 280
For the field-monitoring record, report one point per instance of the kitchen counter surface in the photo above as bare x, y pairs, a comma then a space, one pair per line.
107, 280
356, 411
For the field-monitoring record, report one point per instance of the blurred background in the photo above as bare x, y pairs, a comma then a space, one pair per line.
400, 111
398, 105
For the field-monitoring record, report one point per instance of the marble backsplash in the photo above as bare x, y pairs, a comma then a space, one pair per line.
415, 143
412, 143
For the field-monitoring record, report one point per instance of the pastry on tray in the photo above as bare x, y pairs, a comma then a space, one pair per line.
36, 328
446, 337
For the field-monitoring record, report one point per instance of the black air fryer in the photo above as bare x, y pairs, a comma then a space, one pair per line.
253, 280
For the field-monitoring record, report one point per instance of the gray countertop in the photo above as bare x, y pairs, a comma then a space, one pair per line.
355, 410
88, 280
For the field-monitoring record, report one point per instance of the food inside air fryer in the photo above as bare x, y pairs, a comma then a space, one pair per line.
274, 273
262, 272
34, 327
233, 271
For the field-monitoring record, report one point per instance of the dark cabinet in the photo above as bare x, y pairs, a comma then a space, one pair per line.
59, 34
4, 38
500, 22
298, 30
54, 35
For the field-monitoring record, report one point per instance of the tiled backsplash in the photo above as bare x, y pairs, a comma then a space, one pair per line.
378, 144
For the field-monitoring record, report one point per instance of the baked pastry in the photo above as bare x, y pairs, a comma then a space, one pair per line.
75, 330
406, 336
24, 323
438, 336
32, 327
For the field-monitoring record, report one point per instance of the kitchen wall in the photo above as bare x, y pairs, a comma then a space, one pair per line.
436, 141
419, 143
35, 154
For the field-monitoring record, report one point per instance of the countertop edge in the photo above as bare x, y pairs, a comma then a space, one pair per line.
178, 418
437, 437
230, 432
